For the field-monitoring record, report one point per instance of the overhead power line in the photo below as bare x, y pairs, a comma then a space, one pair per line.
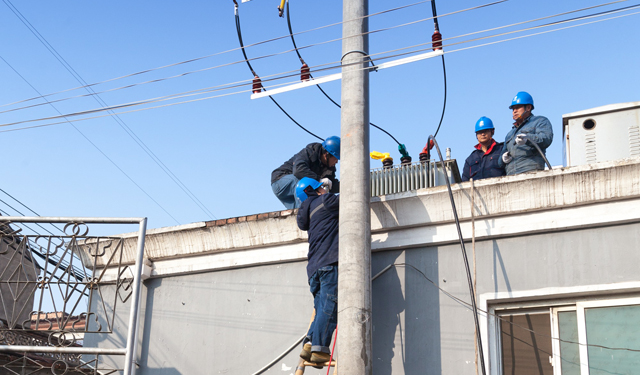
314, 69
247, 60
324, 69
116, 118
244, 53
91, 142
246, 47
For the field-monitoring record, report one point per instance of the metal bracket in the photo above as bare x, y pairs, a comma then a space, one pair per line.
374, 67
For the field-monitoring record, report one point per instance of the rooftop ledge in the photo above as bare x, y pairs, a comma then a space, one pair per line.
501, 197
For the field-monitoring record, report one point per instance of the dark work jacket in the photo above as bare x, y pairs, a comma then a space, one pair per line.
481, 165
307, 163
526, 157
322, 228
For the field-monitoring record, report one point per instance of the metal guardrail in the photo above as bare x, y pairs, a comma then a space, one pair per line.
33, 341
414, 176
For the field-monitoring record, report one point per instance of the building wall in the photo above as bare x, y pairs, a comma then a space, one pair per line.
539, 237
236, 321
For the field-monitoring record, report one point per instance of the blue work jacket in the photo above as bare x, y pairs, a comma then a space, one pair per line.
526, 157
318, 215
482, 164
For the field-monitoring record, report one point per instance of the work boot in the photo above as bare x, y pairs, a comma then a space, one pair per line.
306, 352
319, 357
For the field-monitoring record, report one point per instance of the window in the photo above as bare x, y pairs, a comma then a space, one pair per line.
594, 338
524, 352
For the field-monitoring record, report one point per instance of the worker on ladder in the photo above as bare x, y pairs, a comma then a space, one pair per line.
318, 215
316, 161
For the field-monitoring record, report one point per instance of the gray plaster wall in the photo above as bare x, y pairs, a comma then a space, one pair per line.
235, 321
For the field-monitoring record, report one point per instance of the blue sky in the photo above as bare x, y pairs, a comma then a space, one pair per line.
224, 149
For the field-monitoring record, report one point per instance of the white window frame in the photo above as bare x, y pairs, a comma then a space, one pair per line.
491, 327
555, 335
582, 325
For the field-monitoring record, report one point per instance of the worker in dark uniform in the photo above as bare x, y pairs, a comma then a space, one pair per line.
518, 154
316, 161
483, 161
318, 215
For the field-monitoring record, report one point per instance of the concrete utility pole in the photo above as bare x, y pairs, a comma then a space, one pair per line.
354, 280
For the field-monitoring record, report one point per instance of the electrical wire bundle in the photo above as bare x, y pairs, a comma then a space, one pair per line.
246, 85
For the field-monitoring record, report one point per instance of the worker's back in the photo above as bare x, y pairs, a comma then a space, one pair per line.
318, 215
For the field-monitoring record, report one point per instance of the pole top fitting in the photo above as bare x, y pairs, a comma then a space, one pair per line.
373, 65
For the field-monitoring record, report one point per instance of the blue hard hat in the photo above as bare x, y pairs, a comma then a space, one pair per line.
484, 123
332, 145
303, 185
522, 98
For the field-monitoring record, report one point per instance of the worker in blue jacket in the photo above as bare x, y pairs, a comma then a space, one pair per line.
318, 215
483, 161
518, 154
316, 161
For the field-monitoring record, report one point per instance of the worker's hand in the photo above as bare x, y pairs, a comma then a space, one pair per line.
326, 184
521, 139
507, 158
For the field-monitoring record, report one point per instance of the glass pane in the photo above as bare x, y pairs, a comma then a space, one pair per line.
569, 353
523, 352
616, 327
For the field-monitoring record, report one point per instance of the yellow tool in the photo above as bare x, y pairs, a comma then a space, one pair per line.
380, 156
387, 160
281, 8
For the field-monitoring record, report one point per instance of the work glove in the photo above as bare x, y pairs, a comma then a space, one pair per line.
507, 158
521, 139
326, 184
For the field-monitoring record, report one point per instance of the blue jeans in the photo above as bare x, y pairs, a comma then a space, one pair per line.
285, 190
324, 287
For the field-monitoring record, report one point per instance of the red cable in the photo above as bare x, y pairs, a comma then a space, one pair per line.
332, 349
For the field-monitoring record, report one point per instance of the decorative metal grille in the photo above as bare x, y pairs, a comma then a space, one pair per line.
57, 364
52, 293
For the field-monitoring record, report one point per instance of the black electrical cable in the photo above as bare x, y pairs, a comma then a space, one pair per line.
435, 14
318, 86
464, 255
246, 59
541, 153
444, 104
444, 69
467, 305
